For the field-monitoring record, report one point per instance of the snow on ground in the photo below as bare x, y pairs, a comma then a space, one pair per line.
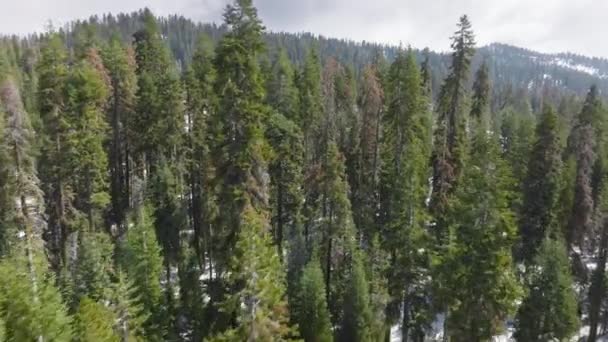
569, 64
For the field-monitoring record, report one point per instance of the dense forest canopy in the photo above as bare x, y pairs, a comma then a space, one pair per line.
162, 180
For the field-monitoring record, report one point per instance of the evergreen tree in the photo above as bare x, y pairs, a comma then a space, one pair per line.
94, 267
312, 312
85, 97
286, 179
336, 233
159, 113
143, 262
31, 305
239, 147
200, 103
549, 311
541, 186
404, 187
126, 305
481, 92
95, 322
356, 319
582, 142
120, 64
365, 187
282, 93
450, 136
477, 268
255, 288
52, 71
597, 288
258, 302
517, 135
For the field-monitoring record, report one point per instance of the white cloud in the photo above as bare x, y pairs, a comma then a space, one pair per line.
544, 25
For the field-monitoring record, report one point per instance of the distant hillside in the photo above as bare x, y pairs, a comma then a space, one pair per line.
517, 69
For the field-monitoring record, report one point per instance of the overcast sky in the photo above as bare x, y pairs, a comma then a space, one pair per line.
545, 25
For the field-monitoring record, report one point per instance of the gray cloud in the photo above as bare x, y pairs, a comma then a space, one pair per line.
544, 25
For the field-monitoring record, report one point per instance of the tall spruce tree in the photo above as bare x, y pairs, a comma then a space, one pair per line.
312, 314
477, 269
201, 102
86, 91
549, 311
541, 186
120, 64
365, 187
582, 142
450, 135
52, 71
143, 263
405, 153
255, 297
481, 93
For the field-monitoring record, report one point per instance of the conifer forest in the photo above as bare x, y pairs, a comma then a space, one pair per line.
166, 180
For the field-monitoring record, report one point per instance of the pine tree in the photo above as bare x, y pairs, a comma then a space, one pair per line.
312, 313
52, 71
404, 188
143, 262
377, 266
86, 93
31, 305
356, 319
481, 92
365, 187
255, 297
286, 176
201, 102
32, 311
93, 267
159, 113
310, 102
239, 147
450, 136
336, 231
517, 135
597, 288
582, 142
477, 268
282, 93
541, 186
126, 305
259, 305
549, 312
120, 64
95, 322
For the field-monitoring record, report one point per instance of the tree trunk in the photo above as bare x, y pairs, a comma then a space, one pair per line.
405, 320
598, 286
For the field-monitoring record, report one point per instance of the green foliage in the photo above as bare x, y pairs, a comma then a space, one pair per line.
94, 266
282, 94
126, 305
95, 322
549, 311
258, 301
30, 304
477, 268
356, 320
159, 109
404, 188
312, 313
449, 148
143, 262
239, 148
541, 185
